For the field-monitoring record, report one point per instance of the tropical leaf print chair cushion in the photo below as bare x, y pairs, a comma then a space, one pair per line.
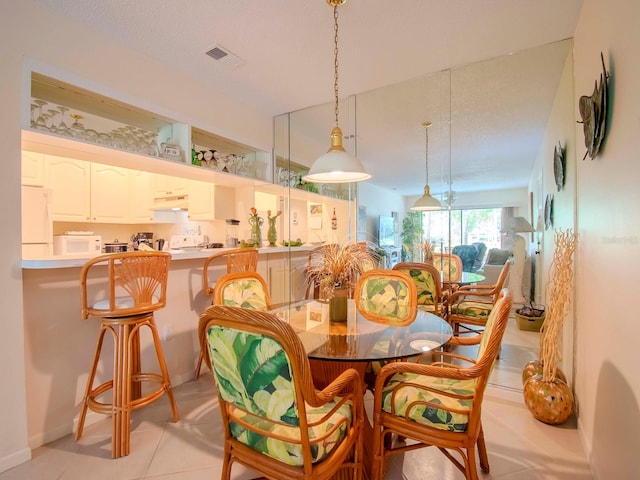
470, 308
419, 397
243, 289
273, 417
386, 296
449, 265
427, 281
253, 374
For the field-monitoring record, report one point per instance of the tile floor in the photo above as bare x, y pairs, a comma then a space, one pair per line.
520, 447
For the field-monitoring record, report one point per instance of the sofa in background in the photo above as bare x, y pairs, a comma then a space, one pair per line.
496, 258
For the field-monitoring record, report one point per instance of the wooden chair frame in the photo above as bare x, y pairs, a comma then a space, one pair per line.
365, 277
463, 443
143, 277
348, 385
238, 260
218, 299
433, 271
486, 294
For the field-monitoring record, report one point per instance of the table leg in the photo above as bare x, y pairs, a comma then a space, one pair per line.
324, 372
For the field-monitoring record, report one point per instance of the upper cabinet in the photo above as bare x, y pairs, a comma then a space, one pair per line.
32, 169
70, 180
110, 193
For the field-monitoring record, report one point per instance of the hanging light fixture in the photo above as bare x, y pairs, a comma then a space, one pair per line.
336, 166
426, 202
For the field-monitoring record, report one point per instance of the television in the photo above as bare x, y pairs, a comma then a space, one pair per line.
387, 231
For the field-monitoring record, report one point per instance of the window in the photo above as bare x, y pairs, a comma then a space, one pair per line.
445, 229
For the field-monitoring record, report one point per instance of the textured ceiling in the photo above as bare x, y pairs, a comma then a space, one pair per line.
499, 108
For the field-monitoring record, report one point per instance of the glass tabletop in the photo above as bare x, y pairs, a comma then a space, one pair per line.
467, 278
360, 339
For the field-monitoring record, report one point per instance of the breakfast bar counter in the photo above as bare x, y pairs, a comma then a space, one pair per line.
59, 345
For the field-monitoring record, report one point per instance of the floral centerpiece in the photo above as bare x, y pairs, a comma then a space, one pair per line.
337, 266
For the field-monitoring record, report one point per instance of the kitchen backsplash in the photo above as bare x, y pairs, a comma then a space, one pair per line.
213, 231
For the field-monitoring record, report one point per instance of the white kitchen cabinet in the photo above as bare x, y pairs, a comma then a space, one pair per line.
169, 186
141, 196
109, 194
70, 181
32, 169
210, 202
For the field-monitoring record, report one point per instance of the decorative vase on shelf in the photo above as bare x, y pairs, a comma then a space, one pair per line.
272, 234
256, 223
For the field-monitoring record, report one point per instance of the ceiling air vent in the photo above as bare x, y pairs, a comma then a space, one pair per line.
224, 56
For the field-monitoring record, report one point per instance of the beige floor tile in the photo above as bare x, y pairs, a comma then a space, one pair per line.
519, 447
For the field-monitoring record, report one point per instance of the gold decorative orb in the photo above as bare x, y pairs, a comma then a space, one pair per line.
535, 367
549, 402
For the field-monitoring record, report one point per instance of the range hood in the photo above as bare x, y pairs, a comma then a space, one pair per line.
179, 202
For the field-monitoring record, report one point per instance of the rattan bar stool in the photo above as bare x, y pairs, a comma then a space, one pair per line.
137, 286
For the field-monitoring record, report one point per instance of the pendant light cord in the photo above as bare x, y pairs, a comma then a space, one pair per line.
426, 126
335, 59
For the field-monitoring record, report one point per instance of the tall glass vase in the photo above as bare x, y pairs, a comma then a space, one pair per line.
256, 234
272, 234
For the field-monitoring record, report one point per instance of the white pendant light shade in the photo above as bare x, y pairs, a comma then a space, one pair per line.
426, 201
336, 166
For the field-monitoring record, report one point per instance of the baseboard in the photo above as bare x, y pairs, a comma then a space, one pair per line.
14, 459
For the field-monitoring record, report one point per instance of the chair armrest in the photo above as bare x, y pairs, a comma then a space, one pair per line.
348, 378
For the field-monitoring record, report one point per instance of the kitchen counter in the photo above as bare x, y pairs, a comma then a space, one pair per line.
59, 345
75, 261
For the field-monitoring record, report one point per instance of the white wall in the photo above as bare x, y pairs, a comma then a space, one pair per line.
560, 131
608, 378
379, 201
31, 35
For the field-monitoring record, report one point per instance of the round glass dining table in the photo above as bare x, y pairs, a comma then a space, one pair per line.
359, 339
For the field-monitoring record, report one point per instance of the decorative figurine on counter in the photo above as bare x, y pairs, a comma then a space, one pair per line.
256, 222
272, 235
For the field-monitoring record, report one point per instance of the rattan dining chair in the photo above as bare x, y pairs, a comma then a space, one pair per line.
386, 296
471, 305
439, 404
275, 422
136, 285
427, 280
240, 289
236, 260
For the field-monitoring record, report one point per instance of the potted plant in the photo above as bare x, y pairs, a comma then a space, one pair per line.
336, 270
411, 235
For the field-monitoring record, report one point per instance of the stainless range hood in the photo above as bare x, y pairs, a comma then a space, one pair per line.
179, 202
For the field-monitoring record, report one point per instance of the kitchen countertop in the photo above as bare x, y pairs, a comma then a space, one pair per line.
75, 261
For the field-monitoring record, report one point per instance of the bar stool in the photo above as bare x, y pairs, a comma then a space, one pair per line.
237, 260
137, 286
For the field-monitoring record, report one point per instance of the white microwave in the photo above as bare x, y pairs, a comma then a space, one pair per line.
77, 244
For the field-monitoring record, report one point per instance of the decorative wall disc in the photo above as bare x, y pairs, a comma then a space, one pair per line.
559, 166
593, 110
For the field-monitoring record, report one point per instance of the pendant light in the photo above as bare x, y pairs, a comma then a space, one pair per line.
426, 202
336, 166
